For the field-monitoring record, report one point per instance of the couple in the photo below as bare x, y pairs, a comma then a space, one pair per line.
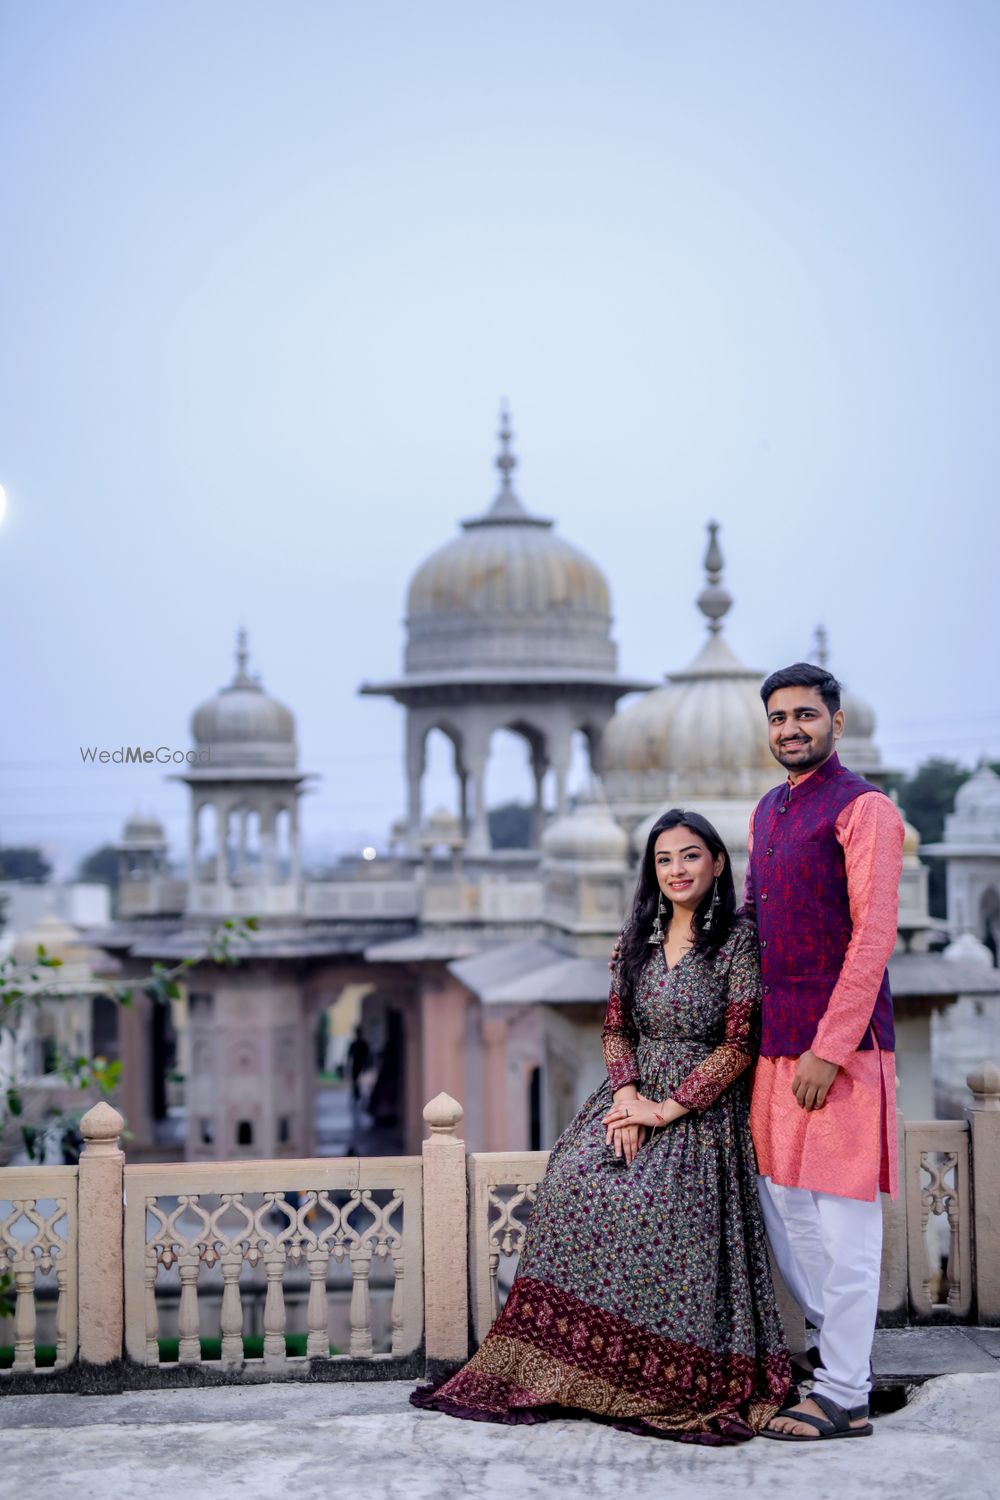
643, 1294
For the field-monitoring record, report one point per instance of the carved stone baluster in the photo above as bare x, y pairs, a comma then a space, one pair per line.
398, 1305
926, 1202
317, 1317
231, 1316
24, 1318
61, 1329
152, 1316
494, 1286
951, 1208
274, 1308
361, 1311
188, 1323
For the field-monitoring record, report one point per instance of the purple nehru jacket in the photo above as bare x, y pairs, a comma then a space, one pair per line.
799, 885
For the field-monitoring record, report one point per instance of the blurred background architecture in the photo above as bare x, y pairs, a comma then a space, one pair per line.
448, 964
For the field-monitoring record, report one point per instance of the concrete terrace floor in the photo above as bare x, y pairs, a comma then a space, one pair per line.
365, 1442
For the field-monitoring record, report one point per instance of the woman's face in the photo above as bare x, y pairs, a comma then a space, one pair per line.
684, 867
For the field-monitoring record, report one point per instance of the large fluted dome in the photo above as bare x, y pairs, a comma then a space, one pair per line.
508, 593
242, 725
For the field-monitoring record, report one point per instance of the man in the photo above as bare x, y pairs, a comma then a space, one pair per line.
823, 884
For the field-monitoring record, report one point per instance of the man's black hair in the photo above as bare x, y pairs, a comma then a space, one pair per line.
804, 674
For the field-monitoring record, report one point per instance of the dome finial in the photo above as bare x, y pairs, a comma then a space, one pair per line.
505, 460
714, 601
243, 678
821, 645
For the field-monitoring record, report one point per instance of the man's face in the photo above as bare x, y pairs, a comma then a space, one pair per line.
801, 730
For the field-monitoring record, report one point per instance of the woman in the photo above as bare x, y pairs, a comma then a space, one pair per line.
643, 1294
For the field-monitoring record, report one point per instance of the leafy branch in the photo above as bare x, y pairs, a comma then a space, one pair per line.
23, 985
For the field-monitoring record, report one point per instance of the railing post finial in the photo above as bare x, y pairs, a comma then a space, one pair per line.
443, 1114
984, 1084
100, 1127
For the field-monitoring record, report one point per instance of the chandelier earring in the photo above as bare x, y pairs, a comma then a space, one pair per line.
710, 915
659, 931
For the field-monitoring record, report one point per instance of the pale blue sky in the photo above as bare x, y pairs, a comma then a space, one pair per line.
267, 270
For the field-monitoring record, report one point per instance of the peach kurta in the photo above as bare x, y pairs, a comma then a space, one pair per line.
848, 1147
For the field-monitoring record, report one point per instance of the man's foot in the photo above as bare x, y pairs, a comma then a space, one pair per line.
786, 1424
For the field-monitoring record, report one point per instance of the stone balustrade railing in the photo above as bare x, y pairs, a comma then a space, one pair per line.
111, 1262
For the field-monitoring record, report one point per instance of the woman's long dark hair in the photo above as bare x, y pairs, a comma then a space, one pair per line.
635, 939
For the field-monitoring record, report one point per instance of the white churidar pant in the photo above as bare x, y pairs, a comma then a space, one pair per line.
829, 1251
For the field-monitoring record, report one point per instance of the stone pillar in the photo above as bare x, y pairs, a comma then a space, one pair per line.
984, 1144
443, 1007
496, 1124
463, 802
539, 766
193, 842
268, 868
415, 766
101, 1264
295, 854
479, 829
241, 856
446, 1239
562, 800
221, 849
135, 1027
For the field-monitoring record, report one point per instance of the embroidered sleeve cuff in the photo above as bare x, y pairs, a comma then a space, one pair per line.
620, 1074
703, 1086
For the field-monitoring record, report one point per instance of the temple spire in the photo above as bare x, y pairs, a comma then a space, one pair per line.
506, 508
821, 646
243, 677
714, 601
505, 460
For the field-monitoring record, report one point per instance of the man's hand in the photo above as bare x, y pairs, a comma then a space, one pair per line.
813, 1080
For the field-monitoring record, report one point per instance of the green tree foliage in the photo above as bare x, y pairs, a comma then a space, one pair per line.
510, 826
22, 985
100, 865
928, 795
18, 862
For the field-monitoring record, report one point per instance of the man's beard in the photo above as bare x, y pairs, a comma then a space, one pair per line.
818, 752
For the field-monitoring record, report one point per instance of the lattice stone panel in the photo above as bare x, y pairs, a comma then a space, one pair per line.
38, 1238
502, 1188
937, 1188
185, 1224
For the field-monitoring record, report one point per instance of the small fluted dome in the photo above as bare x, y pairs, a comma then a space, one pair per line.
911, 843
242, 725
442, 828
508, 592
143, 832
589, 833
58, 938
730, 817
703, 733
978, 799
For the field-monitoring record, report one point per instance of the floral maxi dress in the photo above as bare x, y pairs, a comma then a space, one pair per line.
643, 1295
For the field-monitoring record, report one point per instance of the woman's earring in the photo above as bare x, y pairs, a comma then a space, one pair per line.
710, 916
659, 931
